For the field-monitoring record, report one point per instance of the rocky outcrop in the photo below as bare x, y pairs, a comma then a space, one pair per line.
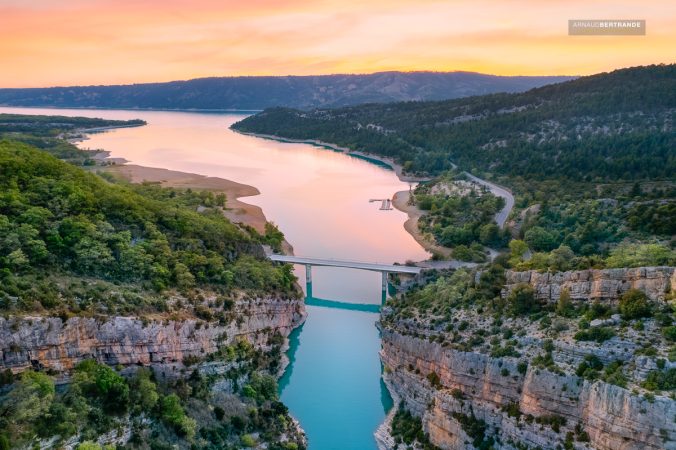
532, 407
51, 343
602, 285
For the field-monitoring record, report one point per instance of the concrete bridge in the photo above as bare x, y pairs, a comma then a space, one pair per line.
384, 269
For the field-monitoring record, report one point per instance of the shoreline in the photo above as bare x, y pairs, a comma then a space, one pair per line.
396, 167
236, 210
399, 199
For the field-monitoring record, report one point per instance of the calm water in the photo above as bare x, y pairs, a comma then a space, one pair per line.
319, 198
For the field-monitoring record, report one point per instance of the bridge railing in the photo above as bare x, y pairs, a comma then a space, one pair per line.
341, 260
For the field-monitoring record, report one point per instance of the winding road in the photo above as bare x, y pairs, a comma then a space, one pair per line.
501, 216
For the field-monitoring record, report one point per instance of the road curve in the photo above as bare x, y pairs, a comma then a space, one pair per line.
501, 216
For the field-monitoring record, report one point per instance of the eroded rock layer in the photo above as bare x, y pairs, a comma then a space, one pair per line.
465, 398
603, 284
51, 343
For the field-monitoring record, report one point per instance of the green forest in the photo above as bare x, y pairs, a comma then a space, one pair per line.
75, 243
49, 132
59, 223
612, 126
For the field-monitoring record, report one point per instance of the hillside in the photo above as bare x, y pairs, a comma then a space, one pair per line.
591, 162
132, 314
46, 133
606, 126
260, 92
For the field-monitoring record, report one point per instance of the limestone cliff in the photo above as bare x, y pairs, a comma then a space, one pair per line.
605, 284
517, 408
51, 343
481, 373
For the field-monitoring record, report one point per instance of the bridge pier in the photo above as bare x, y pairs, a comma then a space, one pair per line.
308, 280
385, 285
384, 269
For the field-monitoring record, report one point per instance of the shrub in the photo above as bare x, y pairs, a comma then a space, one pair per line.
522, 367
564, 306
598, 334
589, 367
669, 333
512, 409
248, 441
457, 394
663, 380
408, 429
434, 379
634, 305
522, 300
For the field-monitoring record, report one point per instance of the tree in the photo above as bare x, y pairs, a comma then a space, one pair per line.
29, 401
564, 306
517, 249
17, 259
562, 258
634, 305
539, 239
102, 382
4, 442
143, 391
522, 300
489, 234
184, 279
173, 414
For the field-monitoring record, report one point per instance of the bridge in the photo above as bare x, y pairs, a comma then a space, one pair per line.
384, 269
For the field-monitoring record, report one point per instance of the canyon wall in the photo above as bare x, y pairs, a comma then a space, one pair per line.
596, 284
516, 407
51, 343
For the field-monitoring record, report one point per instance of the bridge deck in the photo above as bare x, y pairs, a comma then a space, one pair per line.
390, 268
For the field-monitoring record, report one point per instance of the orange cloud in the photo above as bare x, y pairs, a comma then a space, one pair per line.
44, 43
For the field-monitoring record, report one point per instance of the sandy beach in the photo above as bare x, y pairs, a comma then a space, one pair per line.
236, 210
400, 201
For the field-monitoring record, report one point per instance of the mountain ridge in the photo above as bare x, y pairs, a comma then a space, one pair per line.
259, 92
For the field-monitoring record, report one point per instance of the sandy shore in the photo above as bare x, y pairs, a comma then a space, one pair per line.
400, 201
236, 210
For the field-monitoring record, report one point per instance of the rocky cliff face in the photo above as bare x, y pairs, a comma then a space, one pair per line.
606, 284
467, 398
51, 343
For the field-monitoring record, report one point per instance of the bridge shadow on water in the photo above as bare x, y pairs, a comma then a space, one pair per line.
364, 307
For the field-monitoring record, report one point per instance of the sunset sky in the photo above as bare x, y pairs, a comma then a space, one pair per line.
76, 42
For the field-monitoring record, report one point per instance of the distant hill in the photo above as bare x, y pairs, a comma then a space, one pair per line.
302, 92
610, 126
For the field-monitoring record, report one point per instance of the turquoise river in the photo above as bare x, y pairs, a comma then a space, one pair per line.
320, 200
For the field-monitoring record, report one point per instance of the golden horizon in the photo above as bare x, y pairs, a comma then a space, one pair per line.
105, 42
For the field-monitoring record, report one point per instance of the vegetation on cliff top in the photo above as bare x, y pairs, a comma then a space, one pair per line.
72, 242
57, 219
